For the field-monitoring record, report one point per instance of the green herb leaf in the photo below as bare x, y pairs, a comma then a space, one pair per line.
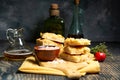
101, 47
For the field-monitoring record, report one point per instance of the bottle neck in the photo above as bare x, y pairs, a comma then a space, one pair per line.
54, 12
75, 29
76, 18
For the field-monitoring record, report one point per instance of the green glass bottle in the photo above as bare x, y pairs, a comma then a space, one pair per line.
54, 23
75, 29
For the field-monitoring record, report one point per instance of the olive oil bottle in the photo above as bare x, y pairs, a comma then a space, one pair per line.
75, 29
54, 23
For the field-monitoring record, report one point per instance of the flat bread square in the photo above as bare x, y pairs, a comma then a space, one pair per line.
41, 42
52, 36
76, 50
77, 42
77, 58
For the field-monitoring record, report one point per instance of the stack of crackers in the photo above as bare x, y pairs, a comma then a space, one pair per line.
77, 50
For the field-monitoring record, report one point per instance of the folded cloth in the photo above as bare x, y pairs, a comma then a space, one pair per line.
50, 67
30, 66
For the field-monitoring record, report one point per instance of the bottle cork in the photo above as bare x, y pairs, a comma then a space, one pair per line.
76, 2
54, 9
54, 6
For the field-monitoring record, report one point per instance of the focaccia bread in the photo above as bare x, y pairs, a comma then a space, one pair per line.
40, 42
76, 50
77, 42
77, 58
52, 36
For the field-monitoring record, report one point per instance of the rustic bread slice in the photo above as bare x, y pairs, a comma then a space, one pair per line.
52, 36
77, 58
76, 50
40, 42
77, 42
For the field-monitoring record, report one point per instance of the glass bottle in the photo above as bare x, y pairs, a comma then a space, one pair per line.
75, 29
17, 49
54, 23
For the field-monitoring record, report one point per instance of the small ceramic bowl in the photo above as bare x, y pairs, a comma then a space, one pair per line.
46, 53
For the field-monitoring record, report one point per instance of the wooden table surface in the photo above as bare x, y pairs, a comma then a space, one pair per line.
110, 68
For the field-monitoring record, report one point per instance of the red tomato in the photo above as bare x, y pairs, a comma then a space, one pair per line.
100, 56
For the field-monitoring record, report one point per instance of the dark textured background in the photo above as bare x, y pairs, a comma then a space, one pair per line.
101, 17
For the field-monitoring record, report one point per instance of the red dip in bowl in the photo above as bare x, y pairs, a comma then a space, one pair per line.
46, 53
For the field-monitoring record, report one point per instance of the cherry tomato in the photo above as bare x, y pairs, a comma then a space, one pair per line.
100, 56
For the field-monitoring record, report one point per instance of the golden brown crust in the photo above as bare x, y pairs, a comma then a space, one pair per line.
77, 42
77, 58
76, 50
52, 36
40, 42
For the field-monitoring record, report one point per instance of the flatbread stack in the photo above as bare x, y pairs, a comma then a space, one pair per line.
51, 39
74, 59
77, 50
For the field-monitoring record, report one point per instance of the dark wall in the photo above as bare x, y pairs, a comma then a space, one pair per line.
101, 17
